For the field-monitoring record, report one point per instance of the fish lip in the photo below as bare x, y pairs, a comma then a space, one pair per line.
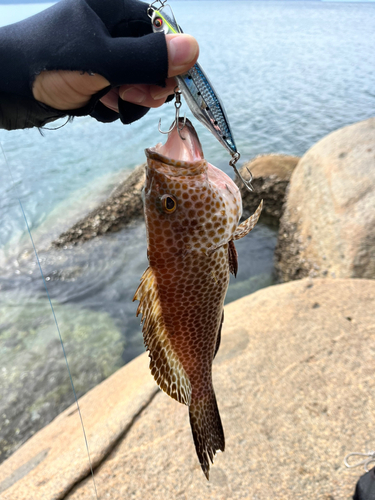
190, 145
155, 155
188, 169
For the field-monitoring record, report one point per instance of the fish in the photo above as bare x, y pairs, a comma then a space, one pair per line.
192, 211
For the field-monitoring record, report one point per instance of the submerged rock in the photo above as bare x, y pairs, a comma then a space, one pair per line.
295, 388
34, 381
328, 226
122, 207
271, 177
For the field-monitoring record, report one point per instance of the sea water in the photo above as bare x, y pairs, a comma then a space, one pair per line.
289, 72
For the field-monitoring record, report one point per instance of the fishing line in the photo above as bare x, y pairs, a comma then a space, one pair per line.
54, 317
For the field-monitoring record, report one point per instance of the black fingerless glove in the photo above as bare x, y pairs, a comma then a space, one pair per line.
110, 37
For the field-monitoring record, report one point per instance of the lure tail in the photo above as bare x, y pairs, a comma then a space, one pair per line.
207, 430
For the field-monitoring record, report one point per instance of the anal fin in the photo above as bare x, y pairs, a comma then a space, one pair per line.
249, 224
165, 366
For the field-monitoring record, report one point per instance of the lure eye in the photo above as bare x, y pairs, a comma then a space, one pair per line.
168, 203
158, 22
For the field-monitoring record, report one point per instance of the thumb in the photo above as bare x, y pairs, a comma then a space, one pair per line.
183, 52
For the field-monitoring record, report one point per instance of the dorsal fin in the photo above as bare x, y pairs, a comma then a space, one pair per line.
165, 366
245, 228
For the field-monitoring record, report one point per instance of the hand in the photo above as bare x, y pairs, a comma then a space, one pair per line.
67, 90
63, 60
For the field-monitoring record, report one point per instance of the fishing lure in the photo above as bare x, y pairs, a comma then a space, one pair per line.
198, 92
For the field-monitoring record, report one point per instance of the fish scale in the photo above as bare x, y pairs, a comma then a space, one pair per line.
192, 211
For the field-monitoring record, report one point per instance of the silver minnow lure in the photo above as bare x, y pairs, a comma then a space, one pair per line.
199, 93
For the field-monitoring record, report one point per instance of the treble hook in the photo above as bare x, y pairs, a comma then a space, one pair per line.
177, 105
365, 462
152, 6
247, 184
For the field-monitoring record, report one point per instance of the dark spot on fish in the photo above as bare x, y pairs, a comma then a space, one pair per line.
199, 93
224, 137
342, 155
207, 108
215, 122
316, 305
348, 318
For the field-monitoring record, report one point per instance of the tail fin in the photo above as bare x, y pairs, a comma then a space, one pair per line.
207, 430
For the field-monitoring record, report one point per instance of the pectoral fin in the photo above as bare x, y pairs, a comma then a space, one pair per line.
245, 228
165, 366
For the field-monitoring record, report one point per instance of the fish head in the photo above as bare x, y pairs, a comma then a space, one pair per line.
190, 205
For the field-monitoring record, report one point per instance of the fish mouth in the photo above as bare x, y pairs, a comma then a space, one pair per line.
182, 145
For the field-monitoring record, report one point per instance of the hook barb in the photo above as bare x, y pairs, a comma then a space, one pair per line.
248, 185
168, 131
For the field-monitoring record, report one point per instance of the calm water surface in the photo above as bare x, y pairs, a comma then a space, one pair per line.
288, 73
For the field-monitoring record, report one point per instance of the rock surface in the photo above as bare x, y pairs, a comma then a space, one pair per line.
122, 207
271, 177
295, 387
328, 226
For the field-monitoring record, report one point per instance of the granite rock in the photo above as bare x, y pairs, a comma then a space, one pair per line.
328, 226
271, 175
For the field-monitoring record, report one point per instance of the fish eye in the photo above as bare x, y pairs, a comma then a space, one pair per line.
168, 203
158, 22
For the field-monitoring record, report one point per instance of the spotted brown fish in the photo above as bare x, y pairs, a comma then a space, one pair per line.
192, 211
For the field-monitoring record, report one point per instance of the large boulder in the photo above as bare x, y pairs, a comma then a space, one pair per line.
271, 176
295, 387
328, 226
